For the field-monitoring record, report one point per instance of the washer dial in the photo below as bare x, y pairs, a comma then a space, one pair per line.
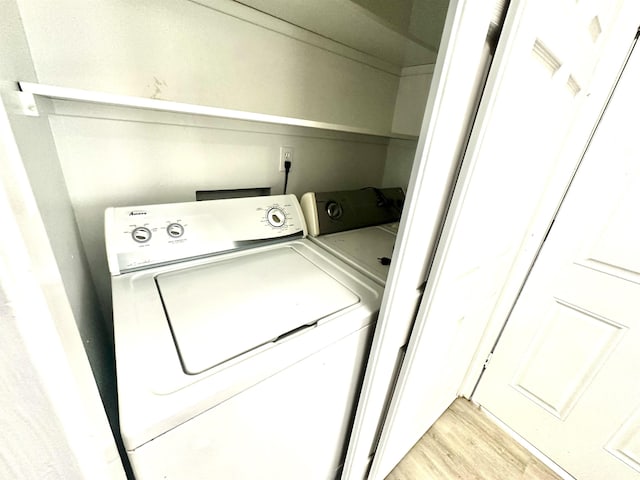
175, 230
141, 234
276, 217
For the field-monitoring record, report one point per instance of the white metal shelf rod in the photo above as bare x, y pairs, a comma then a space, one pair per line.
65, 93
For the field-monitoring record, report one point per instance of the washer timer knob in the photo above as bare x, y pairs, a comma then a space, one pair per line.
141, 234
276, 217
175, 230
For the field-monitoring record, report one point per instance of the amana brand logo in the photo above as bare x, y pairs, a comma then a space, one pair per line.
137, 212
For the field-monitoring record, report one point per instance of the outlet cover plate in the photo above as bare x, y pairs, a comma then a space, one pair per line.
286, 153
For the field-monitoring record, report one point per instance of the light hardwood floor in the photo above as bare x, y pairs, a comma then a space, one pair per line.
465, 444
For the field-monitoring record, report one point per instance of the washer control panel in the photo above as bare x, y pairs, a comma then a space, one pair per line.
144, 236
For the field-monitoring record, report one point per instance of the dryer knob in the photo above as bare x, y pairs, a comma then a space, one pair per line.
334, 210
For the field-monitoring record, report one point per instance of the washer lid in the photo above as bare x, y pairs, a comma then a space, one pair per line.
221, 310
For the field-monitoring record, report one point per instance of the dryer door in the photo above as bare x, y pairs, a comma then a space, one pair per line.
229, 307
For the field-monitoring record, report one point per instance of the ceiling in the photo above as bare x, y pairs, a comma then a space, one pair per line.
401, 32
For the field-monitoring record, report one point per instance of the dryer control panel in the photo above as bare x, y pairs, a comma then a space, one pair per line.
331, 212
149, 235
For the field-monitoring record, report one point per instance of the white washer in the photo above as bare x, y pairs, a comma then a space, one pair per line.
357, 226
239, 343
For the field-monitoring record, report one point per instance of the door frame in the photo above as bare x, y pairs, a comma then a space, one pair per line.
448, 116
46, 360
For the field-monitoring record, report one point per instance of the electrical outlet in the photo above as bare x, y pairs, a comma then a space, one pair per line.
286, 155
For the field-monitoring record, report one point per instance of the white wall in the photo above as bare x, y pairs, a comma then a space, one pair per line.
38, 153
408, 114
188, 52
53, 422
398, 163
117, 162
48, 453
411, 99
83, 158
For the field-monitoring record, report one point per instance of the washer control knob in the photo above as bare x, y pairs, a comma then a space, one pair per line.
334, 210
276, 217
141, 234
175, 230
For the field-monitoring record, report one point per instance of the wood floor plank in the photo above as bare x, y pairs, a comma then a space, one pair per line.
465, 444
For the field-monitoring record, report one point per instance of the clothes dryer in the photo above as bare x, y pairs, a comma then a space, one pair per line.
239, 343
357, 226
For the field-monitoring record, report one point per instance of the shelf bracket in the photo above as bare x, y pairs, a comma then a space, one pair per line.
20, 103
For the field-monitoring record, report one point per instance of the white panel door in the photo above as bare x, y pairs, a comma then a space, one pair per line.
542, 74
564, 374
